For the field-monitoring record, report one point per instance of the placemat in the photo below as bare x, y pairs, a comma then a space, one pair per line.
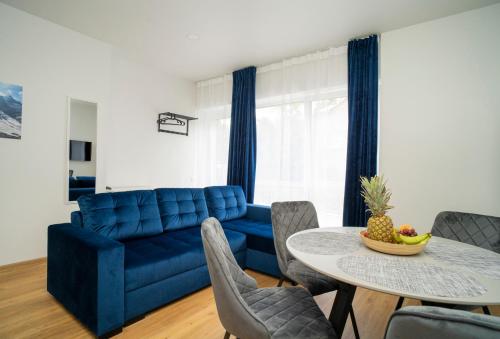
411, 276
326, 243
474, 258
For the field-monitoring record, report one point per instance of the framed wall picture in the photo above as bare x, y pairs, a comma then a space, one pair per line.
11, 110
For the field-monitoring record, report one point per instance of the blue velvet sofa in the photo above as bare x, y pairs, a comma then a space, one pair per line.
127, 253
80, 186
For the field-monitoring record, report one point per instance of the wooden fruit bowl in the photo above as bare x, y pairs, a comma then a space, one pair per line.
395, 249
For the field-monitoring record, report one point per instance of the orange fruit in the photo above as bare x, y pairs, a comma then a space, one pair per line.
405, 227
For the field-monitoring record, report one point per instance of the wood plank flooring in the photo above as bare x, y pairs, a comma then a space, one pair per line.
28, 311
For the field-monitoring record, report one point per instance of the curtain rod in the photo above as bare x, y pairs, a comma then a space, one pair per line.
276, 65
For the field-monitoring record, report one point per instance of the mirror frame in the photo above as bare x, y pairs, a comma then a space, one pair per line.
67, 138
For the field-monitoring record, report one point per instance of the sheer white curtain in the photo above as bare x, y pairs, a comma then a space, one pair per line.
302, 132
213, 109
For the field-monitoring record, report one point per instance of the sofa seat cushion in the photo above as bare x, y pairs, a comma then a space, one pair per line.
156, 258
226, 202
259, 234
181, 207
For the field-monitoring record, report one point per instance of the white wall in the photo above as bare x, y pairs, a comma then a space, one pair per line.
440, 116
83, 127
52, 62
136, 154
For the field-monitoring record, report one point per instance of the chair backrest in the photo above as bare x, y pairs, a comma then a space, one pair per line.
475, 229
290, 217
229, 281
415, 322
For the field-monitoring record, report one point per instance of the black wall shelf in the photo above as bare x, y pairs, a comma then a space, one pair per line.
172, 119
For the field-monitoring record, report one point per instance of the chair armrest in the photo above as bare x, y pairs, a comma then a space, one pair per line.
85, 272
436, 322
259, 213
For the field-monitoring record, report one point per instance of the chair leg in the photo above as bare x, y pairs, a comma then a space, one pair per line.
354, 324
486, 310
280, 282
400, 303
227, 335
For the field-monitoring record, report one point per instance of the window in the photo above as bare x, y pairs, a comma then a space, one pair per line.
301, 155
301, 131
211, 131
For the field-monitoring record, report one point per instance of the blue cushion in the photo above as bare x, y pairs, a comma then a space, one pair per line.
76, 219
181, 207
72, 182
259, 234
75, 193
226, 202
121, 215
263, 262
85, 181
152, 259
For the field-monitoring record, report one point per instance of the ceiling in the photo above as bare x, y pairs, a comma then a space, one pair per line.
233, 33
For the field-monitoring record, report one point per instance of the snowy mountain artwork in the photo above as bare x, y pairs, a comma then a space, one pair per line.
11, 110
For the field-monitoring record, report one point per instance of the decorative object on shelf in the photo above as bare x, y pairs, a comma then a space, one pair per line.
11, 110
172, 119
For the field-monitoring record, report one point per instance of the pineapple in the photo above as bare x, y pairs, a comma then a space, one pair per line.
377, 197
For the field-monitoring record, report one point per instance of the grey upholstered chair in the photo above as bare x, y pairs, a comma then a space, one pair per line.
474, 229
288, 218
415, 322
247, 311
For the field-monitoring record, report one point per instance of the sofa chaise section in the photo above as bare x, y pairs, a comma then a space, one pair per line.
229, 206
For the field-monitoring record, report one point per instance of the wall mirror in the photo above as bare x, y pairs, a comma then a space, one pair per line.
81, 148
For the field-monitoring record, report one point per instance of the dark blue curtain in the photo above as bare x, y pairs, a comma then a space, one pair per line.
362, 56
243, 136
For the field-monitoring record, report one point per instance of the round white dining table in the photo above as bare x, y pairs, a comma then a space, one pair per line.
447, 271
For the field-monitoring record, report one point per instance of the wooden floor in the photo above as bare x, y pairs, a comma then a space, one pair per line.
28, 311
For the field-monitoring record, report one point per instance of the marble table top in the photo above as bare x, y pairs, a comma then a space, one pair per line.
446, 271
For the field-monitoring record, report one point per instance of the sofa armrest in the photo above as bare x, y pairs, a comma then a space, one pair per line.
85, 273
435, 322
259, 213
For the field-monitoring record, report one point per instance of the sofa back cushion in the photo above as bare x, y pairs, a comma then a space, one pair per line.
72, 182
76, 219
226, 202
121, 215
181, 207
85, 182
